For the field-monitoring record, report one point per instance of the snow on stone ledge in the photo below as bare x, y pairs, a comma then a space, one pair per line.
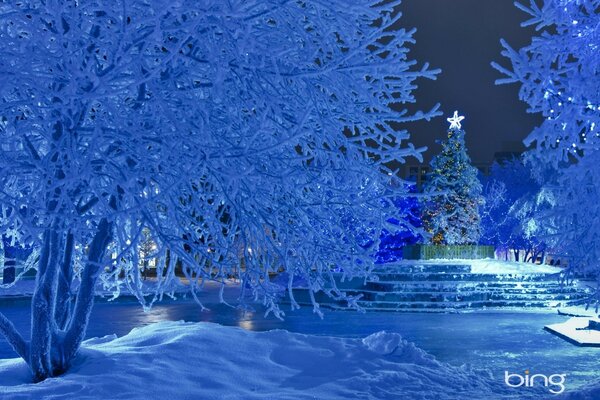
492, 266
177, 360
574, 331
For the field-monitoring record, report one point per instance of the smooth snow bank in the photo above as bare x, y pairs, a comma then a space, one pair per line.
177, 360
492, 266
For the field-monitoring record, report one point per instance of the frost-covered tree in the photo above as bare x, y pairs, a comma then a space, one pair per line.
510, 209
559, 73
237, 135
451, 209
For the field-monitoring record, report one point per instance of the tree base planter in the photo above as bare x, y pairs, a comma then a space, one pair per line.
451, 252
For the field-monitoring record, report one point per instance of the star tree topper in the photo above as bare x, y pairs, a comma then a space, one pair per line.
455, 120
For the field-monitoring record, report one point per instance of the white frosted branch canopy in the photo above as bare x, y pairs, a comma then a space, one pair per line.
206, 133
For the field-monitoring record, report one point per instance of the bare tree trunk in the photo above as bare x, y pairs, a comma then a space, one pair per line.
57, 328
64, 296
534, 256
543, 257
75, 333
42, 309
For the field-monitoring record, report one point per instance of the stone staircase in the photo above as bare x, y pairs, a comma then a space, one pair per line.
448, 287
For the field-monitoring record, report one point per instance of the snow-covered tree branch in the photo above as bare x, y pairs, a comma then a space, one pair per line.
510, 214
559, 73
238, 136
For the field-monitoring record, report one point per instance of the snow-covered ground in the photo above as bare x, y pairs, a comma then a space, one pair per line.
197, 359
178, 360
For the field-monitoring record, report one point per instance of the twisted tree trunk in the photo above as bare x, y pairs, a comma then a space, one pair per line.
57, 327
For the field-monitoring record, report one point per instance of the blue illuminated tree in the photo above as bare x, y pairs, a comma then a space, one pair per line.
230, 134
559, 73
451, 209
401, 232
509, 213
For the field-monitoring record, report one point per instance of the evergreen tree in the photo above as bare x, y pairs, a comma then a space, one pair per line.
451, 211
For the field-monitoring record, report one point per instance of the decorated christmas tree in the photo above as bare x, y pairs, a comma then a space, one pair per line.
451, 209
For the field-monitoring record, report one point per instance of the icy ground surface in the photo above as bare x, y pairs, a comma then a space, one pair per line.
492, 340
209, 361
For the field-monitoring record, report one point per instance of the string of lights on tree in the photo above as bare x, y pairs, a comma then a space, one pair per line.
451, 211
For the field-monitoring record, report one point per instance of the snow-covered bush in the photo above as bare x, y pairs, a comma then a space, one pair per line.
235, 136
559, 73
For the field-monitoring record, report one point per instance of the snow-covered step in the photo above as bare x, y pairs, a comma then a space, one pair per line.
418, 305
424, 268
512, 287
430, 286
466, 296
458, 286
462, 277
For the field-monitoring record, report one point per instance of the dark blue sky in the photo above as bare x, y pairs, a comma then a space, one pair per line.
462, 37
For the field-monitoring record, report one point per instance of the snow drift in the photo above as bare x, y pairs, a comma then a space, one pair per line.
209, 361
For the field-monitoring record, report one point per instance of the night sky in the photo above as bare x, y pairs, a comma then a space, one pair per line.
462, 37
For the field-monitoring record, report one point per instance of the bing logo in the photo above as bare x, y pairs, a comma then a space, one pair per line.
556, 381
